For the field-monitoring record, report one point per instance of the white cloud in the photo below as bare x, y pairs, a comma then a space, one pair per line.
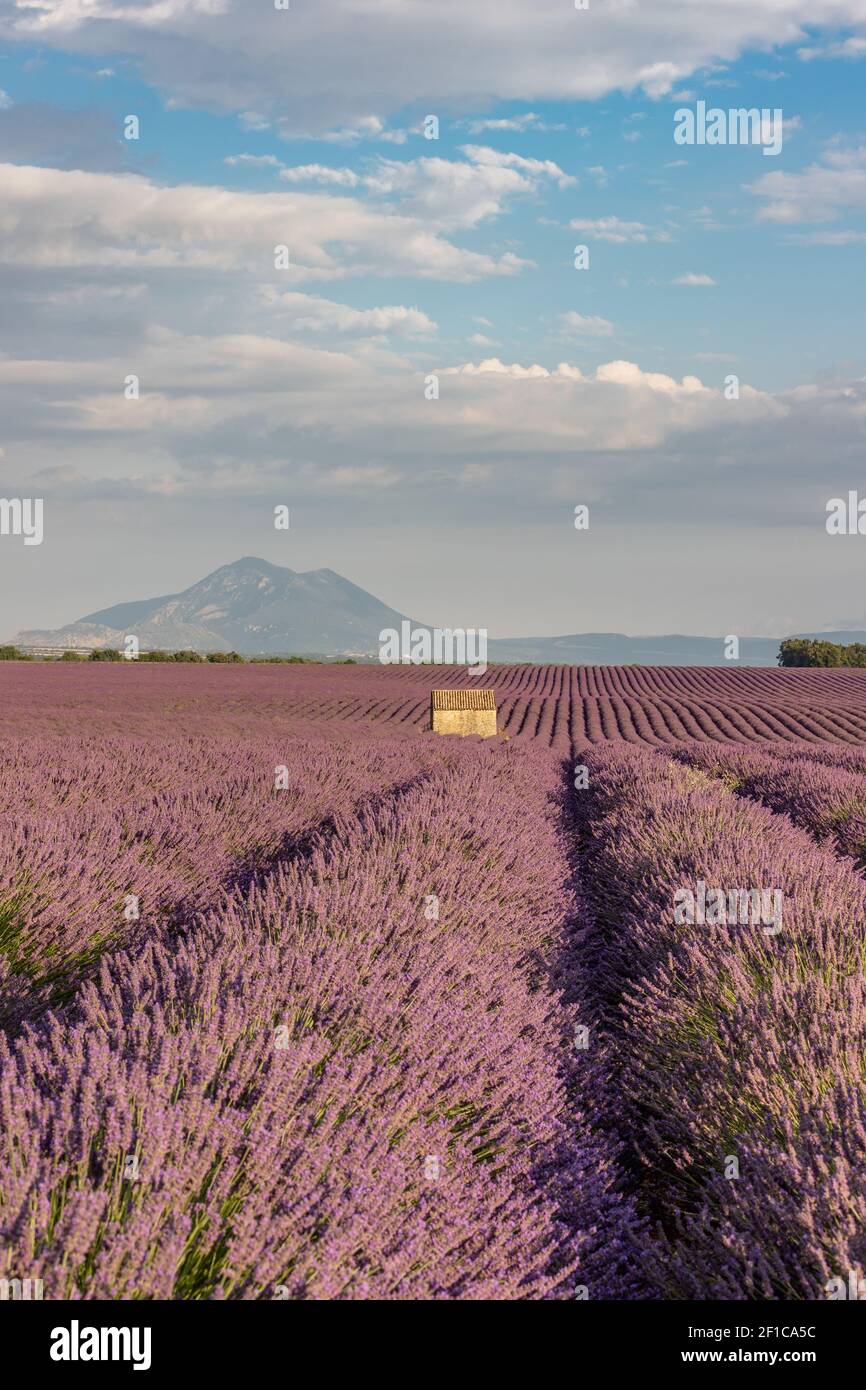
847, 238
586, 325
308, 313
819, 193
449, 194
494, 365
227, 419
224, 416
320, 173
616, 230
452, 193
528, 121
5, 100
843, 48
532, 168
198, 393
353, 477
630, 374
693, 279
600, 174
365, 128
72, 218
401, 52
263, 161
254, 120
90, 294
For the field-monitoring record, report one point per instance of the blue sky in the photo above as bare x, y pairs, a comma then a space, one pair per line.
455, 257
778, 306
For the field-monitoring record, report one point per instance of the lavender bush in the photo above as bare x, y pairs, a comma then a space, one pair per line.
353, 1078
735, 1043
825, 797
400, 1017
101, 843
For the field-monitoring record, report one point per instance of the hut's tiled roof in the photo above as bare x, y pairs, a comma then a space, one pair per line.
463, 699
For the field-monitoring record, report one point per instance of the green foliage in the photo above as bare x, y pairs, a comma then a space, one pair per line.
800, 651
282, 661
105, 654
159, 655
9, 654
72, 656
224, 656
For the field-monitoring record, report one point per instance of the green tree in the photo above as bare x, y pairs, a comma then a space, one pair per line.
800, 651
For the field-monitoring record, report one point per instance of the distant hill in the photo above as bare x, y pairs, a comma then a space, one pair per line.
249, 606
672, 649
616, 649
257, 608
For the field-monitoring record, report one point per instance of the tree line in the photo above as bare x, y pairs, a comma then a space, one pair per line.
12, 653
801, 651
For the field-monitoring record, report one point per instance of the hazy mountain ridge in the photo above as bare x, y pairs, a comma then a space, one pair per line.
250, 606
258, 608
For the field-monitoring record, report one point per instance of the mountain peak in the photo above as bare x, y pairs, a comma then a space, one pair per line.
253, 562
249, 605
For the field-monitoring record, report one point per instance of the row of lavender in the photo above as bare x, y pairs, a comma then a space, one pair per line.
353, 1075
732, 968
102, 841
821, 789
393, 1051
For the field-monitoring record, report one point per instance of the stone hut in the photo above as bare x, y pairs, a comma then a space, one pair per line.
463, 712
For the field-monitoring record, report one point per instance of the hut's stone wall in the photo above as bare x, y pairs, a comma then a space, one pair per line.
466, 711
465, 721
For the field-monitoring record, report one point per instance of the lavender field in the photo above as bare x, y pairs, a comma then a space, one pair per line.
299, 1001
